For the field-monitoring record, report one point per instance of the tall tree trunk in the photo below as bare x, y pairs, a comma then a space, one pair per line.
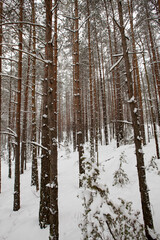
147, 215
34, 180
103, 94
24, 128
1, 11
155, 65
16, 205
52, 117
136, 71
151, 108
78, 91
45, 161
154, 83
113, 96
10, 127
90, 87
117, 92
74, 120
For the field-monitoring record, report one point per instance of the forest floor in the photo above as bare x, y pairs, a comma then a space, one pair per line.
24, 225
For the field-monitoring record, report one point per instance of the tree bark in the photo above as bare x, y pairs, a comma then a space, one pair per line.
1, 11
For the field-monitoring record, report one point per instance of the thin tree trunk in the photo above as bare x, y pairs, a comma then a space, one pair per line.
154, 84
147, 215
152, 109
155, 65
10, 127
91, 87
113, 96
74, 120
78, 91
34, 178
24, 128
16, 205
102, 93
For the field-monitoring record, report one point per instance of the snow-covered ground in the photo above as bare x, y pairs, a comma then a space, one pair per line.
23, 225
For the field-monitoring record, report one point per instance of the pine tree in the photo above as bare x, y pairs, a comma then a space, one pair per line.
16, 206
147, 215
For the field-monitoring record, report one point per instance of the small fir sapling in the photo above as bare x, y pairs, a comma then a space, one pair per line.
120, 177
67, 148
153, 167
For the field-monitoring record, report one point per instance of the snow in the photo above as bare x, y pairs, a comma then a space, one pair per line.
23, 224
132, 99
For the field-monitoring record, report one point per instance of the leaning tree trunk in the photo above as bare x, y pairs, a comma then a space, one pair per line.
16, 206
147, 215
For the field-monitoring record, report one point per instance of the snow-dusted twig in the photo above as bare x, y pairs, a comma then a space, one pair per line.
116, 64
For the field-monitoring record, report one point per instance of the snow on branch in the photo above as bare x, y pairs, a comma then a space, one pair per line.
29, 23
8, 133
32, 55
54, 7
116, 64
9, 59
122, 121
76, 30
9, 129
9, 76
11, 133
121, 54
38, 145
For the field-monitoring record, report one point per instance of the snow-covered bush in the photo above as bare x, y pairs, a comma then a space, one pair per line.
120, 177
102, 218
